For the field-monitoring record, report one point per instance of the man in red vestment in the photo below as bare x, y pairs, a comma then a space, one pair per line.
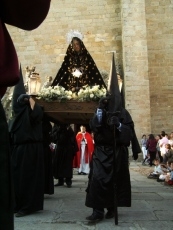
86, 148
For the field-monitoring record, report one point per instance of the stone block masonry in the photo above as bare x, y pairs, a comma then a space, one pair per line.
140, 31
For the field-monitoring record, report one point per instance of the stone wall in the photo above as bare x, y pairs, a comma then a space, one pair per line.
159, 17
45, 47
140, 31
135, 63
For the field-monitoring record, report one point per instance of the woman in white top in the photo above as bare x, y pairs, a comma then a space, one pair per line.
158, 138
170, 141
143, 145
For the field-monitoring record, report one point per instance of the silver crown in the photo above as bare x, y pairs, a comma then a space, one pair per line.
73, 33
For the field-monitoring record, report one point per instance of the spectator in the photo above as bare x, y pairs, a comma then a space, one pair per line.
158, 138
151, 147
162, 142
157, 170
143, 146
168, 156
170, 141
146, 161
166, 171
169, 177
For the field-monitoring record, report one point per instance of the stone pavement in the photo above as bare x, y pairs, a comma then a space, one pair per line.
152, 207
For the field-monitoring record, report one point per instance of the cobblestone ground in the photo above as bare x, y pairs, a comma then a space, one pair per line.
65, 210
144, 170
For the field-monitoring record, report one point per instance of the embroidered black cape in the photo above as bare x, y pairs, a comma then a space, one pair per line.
84, 63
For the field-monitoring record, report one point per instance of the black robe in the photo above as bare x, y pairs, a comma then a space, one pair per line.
6, 190
48, 167
9, 75
28, 159
66, 148
100, 191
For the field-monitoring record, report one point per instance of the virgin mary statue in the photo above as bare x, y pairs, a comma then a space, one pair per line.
78, 68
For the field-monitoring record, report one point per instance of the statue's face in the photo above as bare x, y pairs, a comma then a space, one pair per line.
49, 79
76, 45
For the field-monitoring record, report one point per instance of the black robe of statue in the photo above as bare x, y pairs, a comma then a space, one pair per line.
100, 191
48, 168
81, 61
66, 148
6, 190
28, 159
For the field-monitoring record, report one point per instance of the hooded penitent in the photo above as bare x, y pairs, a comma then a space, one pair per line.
66, 148
27, 154
19, 89
110, 162
114, 104
18, 108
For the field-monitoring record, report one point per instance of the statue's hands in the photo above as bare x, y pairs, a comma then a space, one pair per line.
75, 89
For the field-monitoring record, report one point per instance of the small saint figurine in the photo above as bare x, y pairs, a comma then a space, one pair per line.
48, 82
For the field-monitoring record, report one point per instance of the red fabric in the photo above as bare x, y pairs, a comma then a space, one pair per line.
170, 182
2, 91
89, 148
9, 68
25, 14
151, 145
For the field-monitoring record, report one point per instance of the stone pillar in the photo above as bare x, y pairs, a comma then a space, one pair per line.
135, 64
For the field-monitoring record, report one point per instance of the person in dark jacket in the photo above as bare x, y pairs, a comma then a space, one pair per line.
66, 148
48, 170
151, 146
110, 164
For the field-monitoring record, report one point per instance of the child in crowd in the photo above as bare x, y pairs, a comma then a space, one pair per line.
166, 172
146, 161
169, 177
157, 170
169, 154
